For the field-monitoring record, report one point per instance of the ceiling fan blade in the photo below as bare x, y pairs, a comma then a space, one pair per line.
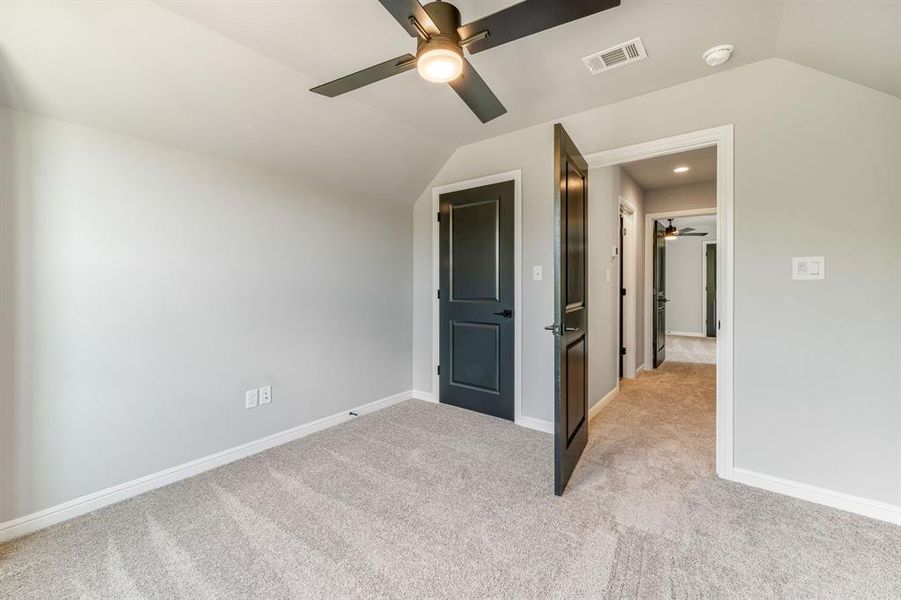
476, 94
692, 234
686, 229
526, 18
375, 73
402, 10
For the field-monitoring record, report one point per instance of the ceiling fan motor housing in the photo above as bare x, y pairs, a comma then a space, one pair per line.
446, 17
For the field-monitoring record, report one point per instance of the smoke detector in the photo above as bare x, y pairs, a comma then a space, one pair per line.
615, 57
718, 54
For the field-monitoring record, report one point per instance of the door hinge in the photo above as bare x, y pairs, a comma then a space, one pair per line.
439, 294
438, 368
622, 351
439, 217
623, 291
719, 324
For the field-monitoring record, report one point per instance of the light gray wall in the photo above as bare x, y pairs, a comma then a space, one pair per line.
817, 394
154, 286
681, 197
603, 302
684, 279
632, 193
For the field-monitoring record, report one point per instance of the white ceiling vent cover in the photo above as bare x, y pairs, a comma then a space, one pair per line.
617, 56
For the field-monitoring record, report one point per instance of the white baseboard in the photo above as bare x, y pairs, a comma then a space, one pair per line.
639, 369
855, 504
91, 502
687, 333
427, 396
537, 424
600, 404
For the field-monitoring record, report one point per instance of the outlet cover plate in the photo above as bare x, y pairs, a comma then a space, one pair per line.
251, 398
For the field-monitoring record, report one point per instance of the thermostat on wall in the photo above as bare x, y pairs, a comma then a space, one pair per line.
809, 267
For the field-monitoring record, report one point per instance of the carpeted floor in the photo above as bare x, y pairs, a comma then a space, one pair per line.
423, 500
685, 348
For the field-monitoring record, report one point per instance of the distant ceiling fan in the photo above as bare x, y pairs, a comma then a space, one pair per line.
671, 233
439, 49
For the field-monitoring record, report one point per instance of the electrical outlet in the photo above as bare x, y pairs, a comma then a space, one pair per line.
251, 398
265, 394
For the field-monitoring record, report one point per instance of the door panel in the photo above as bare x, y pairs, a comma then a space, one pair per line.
659, 294
570, 326
476, 342
474, 238
475, 360
710, 289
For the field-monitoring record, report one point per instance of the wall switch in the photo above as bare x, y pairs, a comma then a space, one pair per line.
251, 398
537, 273
808, 267
265, 394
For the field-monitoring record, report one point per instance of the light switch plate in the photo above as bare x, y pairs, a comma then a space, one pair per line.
251, 398
808, 267
537, 273
265, 394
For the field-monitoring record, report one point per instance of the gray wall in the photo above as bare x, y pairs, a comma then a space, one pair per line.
154, 286
681, 197
603, 302
817, 394
684, 279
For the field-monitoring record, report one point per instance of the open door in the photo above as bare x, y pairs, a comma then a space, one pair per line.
570, 326
659, 292
710, 288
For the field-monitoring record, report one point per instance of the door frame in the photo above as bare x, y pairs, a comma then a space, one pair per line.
649, 276
704, 245
629, 257
723, 139
516, 177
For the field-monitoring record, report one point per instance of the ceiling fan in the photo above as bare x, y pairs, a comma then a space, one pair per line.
441, 39
671, 233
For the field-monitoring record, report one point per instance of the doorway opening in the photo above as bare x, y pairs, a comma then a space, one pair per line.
681, 276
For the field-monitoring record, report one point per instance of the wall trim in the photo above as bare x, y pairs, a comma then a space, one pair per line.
687, 333
426, 396
882, 511
628, 255
600, 404
536, 424
90, 502
516, 177
723, 138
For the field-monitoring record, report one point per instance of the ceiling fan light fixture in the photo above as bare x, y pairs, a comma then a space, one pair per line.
682, 169
440, 63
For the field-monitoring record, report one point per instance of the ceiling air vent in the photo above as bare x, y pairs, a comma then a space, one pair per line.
617, 56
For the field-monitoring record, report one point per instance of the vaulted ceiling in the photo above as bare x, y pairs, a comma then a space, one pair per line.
231, 79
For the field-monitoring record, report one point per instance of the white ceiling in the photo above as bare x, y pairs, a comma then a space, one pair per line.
657, 172
231, 79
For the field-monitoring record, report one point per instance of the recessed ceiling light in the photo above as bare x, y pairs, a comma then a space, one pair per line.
681, 169
718, 54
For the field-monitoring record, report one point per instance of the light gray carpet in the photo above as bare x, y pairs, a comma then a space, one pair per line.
423, 500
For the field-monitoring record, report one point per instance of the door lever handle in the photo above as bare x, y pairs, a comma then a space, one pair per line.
505, 313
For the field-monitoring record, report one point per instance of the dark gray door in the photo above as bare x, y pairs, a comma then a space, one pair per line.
570, 307
659, 293
476, 298
710, 289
